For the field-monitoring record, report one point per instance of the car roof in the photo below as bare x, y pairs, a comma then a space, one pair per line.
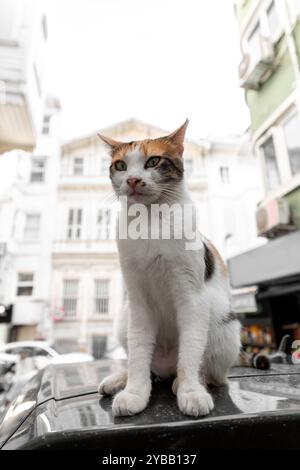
66, 398
22, 344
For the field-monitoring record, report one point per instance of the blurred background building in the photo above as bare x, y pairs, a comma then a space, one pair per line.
23, 38
270, 75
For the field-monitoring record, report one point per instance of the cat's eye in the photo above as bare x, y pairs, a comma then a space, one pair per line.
152, 162
120, 165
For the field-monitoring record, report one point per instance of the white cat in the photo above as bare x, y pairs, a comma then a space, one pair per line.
176, 321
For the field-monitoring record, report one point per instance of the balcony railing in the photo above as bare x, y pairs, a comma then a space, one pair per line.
85, 246
75, 181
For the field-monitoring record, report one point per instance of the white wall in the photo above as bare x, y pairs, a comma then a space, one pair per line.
232, 206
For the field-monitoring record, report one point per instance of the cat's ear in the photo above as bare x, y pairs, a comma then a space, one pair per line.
177, 137
111, 143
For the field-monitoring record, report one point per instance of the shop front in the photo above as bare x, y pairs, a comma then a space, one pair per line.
275, 271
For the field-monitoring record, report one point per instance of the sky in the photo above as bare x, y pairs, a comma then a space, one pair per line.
156, 60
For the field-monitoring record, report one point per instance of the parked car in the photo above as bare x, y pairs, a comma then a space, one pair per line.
59, 408
42, 348
8, 364
20, 361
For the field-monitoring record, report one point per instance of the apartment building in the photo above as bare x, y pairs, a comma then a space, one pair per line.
270, 76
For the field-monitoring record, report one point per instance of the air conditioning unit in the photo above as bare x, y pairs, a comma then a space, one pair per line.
253, 74
2, 249
274, 218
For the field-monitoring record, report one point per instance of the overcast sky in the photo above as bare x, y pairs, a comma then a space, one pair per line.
157, 60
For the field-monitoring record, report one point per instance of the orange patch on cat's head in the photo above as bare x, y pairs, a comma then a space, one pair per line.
171, 145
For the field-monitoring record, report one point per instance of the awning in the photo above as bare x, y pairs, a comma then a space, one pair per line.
277, 259
243, 300
278, 291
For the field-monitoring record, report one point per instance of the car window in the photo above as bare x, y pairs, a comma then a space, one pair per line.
41, 352
27, 351
13, 350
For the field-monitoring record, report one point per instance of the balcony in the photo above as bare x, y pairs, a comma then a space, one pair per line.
85, 247
70, 182
20, 99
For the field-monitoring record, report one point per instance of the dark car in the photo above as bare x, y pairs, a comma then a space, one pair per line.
60, 409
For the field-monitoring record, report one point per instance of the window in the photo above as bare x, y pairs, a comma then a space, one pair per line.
70, 297
103, 224
32, 227
101, 296
254, 44
272, 172
104, 165
78, 166
188, 166
291, 131
46, 124
38, 170
25, 284
99, 344
224, 174
74, 223
273, 21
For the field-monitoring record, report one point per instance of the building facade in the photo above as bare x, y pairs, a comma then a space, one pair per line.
270, 75
23, 39
27, 213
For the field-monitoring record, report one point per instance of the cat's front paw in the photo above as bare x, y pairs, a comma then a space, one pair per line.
195, 403
113, 383
127, 404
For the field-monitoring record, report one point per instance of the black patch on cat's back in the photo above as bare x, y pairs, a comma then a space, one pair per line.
209, 263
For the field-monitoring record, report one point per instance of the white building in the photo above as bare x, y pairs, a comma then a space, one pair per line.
23, 36
27, 214
235, 187
60, 269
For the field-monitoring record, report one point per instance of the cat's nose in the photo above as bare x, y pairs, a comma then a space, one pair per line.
133, 182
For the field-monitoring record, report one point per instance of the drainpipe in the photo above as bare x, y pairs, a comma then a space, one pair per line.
292, 47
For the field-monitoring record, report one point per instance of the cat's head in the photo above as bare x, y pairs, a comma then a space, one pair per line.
149, 170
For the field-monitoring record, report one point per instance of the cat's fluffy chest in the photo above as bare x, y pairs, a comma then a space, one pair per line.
152, 271
148, 263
